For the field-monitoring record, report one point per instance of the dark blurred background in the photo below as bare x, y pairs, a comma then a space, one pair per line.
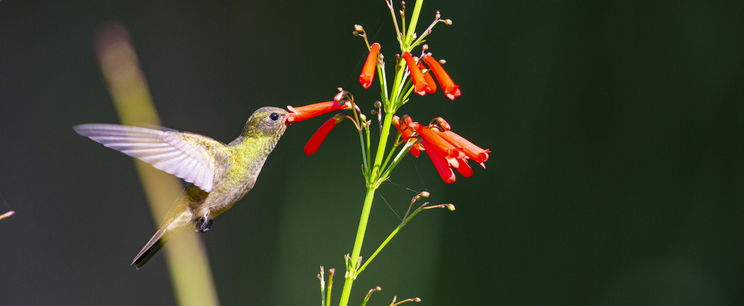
616, 175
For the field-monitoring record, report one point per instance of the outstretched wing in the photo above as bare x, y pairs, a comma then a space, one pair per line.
188, 156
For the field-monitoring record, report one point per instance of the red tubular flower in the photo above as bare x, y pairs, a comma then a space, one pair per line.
316, 140
370, 65
406, 133
440, 163
451, 90
313, 110
441, 146
446, 149
432, 86
474, 152
417, 77
463, 168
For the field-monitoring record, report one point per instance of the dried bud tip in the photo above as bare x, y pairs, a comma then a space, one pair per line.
331, 271
358, 28
437, 15
450, 207
373, 112
340, 95
378, 104
425, 47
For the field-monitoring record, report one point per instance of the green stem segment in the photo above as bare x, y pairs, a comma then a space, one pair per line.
351, 273
375, 176
372, 186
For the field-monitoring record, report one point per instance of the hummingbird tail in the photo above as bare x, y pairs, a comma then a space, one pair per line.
153, 246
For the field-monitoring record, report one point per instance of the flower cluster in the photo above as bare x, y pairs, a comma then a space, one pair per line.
419, 69
422, 75
445, 148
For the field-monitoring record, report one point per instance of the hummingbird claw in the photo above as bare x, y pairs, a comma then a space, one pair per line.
203, 224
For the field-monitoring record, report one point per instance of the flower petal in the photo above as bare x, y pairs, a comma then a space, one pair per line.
313, 110
451, 90
431, 85
475, 153
463, 168
317, 139
441, 146
417, 77
370, 65
406, 133
441, 164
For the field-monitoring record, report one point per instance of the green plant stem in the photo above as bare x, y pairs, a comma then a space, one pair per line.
387, 240
381, 146
372, 186
414, 20
351, 275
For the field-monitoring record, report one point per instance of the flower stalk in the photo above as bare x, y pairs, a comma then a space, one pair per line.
447, 150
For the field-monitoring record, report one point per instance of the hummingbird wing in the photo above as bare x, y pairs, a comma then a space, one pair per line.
188, 156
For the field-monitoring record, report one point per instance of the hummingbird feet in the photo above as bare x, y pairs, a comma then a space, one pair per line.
203, 224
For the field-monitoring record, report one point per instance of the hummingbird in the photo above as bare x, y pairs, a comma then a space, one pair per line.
218, 174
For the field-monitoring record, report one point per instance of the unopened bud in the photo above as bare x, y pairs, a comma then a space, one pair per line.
396, 120
423, 194
358, 28
377, 104
448, 21
450, 207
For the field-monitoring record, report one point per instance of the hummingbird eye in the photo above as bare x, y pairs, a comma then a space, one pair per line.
274, 116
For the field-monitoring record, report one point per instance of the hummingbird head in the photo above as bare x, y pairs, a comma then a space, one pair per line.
266, 122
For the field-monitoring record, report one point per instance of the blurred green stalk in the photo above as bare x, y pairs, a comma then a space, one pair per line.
185, 255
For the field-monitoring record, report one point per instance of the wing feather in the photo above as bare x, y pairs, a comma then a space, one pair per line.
188, 156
